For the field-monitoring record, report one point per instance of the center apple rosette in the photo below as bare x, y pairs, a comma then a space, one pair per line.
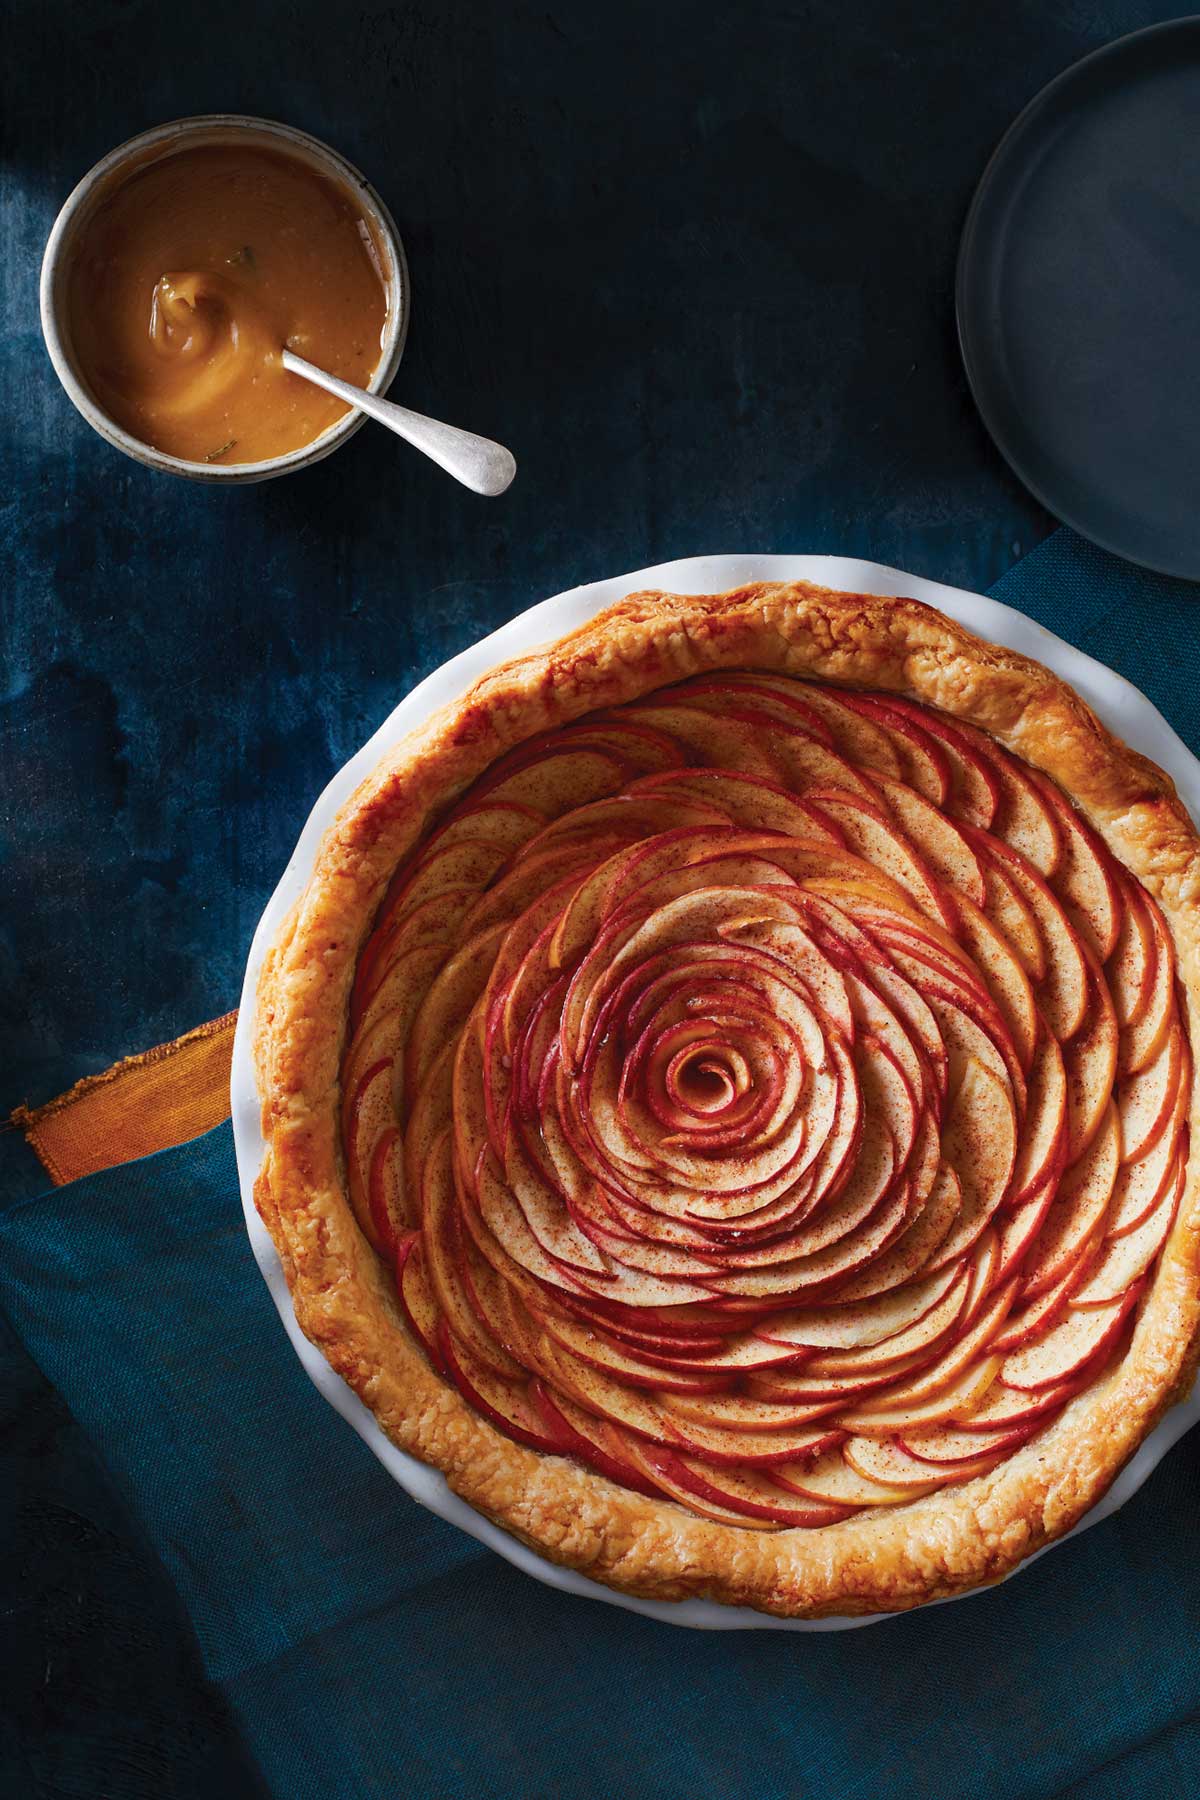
771, 1095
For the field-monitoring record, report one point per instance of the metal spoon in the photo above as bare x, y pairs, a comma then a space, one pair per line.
483, 466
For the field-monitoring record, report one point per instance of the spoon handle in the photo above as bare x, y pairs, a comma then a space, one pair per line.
483, 466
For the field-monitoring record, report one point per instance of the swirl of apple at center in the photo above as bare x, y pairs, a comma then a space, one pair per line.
702, 1088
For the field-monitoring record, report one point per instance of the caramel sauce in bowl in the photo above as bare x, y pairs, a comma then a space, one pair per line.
181, 266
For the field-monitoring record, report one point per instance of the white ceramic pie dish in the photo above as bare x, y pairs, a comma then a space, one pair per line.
1120, 705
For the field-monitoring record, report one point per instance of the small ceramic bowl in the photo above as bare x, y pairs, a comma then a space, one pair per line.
151, 146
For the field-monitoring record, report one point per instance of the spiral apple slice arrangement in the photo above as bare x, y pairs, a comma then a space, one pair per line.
773, 1096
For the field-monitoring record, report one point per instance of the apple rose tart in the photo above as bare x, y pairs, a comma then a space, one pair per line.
728, 1088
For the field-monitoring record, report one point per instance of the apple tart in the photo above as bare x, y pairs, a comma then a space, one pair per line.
727, 1090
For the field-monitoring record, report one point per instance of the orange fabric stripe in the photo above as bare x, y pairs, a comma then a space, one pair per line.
149, 1102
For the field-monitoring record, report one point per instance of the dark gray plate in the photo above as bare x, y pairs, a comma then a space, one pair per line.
1079, 297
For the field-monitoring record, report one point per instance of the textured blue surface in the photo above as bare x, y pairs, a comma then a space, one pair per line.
694, 264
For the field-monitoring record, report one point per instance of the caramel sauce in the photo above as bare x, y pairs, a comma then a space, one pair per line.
192, 277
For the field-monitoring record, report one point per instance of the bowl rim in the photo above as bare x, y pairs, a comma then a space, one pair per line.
1122, 706
176, 134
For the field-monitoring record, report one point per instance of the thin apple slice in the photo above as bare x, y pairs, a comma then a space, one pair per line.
1143, 1037
389, 998
869, 834
739, 1412
887, 1461
428, 923
658, 1470
938, 839
427, 932
760, 1449
574, 1432
625, 818
949, 1403
508, 827
1044, 1128
754, 744
984, 1265
951, 1444
973, 1031
1146, 1100
974, 795
870, 1181
735, 1496
529, 1188
416, 1297
1090, 1061
979, 1142
788, 941
604, 1353
864, 1323
1140, 1185
744, 1355
543, 881
1124, 1259
1082, 1338
554, 779
919, 1248
452, 865
642, 750
448, 1002
1025, 821
926, 768
1007, 982
1033, 1318
859, 739
504, 1404
386, 1196
1012, 915
368, 1116
1076, 1211
445, 1256
959, 1354
1130, 968
508, 1226
431, 1110
587, 1440
597, 1392
1084, 878
817, 1275
1019, 1228
1005, 1408
805, 765
831, 1478
779, 695
749, 802
1063, 989
923, 1334
787, 1385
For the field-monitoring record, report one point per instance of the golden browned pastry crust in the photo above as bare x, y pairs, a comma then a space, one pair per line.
879, 1560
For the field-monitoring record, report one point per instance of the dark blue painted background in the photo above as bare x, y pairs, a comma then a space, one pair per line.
693, 262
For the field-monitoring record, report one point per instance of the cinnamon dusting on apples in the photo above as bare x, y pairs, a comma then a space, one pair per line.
771, 1094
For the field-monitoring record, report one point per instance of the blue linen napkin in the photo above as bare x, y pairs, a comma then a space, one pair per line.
365, 1648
